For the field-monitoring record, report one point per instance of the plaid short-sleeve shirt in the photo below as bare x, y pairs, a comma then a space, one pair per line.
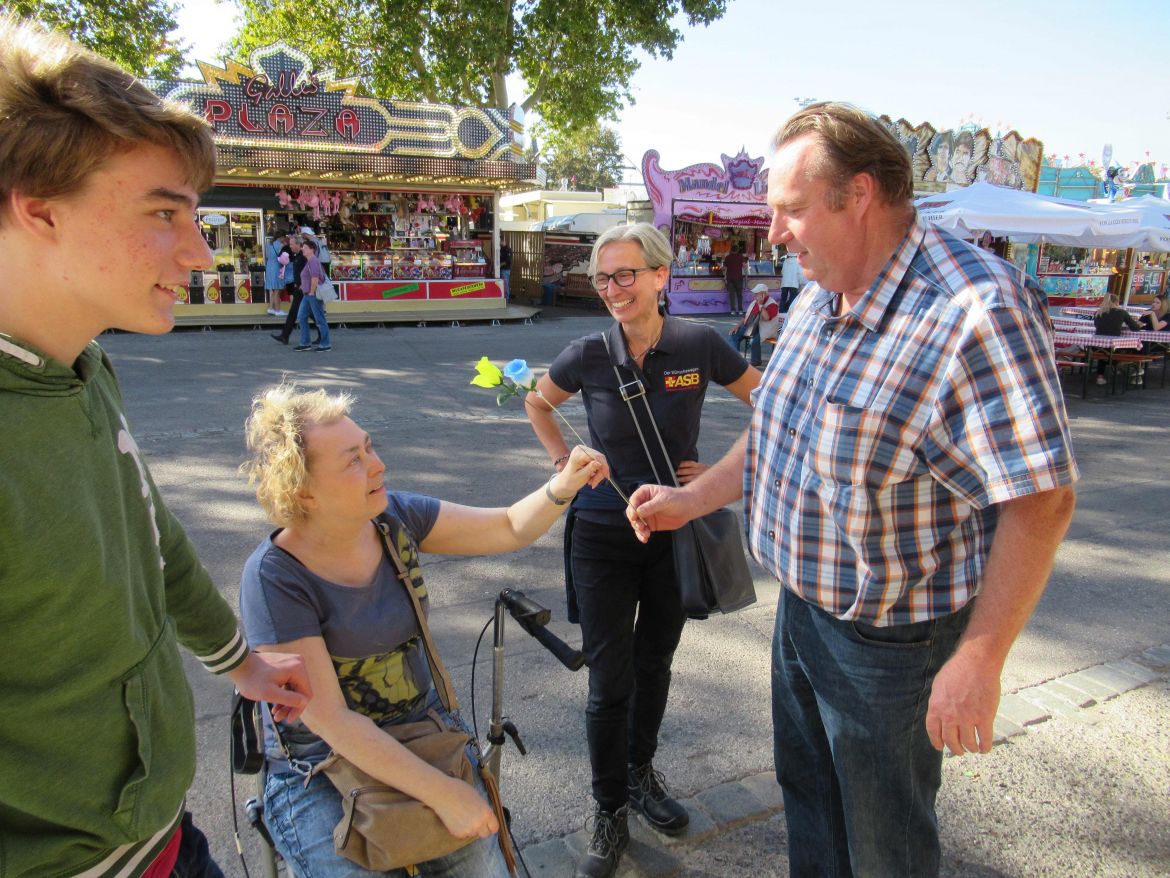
882, 439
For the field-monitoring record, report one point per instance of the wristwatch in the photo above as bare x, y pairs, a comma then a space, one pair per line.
553, 498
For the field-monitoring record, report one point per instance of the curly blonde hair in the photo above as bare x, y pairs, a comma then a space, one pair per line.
275, 433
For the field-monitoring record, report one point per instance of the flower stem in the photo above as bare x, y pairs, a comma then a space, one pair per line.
565, 421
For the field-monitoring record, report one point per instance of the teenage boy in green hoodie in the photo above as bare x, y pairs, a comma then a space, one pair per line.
99, 180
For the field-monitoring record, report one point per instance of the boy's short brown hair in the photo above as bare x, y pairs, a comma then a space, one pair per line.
65, 110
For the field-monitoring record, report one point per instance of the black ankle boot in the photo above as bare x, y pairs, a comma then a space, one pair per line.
611, 837
649, 796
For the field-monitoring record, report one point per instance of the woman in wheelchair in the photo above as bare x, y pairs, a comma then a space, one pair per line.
321, 586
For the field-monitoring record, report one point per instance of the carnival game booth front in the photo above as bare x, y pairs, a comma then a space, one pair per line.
708, 212
404, 193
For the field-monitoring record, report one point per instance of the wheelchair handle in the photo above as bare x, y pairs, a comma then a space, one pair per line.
524, 609
566, 655
532, 618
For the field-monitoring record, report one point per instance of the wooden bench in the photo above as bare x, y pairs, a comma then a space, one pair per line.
1135, 365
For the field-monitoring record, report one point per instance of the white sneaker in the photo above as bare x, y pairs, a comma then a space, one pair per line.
278, 313
271, 312
1101, 379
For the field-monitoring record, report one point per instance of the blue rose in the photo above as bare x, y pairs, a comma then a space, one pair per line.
519, 374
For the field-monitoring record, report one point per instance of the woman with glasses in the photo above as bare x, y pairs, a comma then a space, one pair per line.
621, 591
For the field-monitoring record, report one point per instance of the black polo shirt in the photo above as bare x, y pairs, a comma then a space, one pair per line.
675, 374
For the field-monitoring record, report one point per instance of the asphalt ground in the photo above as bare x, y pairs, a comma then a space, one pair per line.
1069, 797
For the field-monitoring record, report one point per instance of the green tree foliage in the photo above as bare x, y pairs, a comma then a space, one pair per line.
132, 33
589, 158
576, 55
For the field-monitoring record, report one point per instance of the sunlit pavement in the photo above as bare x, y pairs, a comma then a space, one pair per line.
1083, 792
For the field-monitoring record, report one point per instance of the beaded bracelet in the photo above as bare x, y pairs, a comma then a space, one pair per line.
562, 459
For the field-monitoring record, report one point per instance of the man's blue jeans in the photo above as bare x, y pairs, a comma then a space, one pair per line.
736, 339
858, 772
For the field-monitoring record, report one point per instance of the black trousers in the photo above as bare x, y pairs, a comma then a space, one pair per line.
194, 860
294, 308
631, 623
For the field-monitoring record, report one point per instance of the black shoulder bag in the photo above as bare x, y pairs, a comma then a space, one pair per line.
709, 562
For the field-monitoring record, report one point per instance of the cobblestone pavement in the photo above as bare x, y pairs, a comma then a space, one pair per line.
737, 827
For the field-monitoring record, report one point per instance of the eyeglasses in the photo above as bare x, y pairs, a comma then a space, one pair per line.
623, 277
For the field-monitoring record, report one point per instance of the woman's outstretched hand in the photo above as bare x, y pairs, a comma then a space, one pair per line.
584, 467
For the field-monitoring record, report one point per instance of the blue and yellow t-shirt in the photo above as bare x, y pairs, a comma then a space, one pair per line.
371, 632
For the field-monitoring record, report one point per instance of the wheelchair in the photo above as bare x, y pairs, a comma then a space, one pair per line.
247, 725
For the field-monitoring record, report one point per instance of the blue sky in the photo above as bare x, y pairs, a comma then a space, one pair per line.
1075, 75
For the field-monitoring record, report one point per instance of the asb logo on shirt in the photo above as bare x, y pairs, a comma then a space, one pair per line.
682, 379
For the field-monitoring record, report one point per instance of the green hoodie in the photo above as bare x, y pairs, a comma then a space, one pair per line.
98, 585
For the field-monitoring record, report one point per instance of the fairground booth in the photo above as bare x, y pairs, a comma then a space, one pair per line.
981, 185
1085, 273
984, 187
405, 193
1077, 250
707, 211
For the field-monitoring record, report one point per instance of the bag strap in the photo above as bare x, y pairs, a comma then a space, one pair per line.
304, 769
447, 694
439, 673
752, 322
504, 835
625, 388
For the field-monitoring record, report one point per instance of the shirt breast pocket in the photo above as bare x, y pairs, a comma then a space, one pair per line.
861, 446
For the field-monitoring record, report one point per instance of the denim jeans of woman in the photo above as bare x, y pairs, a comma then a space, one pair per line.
858, 772
301, 820
311, 305
631, 622
294, 312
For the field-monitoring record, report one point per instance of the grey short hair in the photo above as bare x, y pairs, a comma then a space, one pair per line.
654, 245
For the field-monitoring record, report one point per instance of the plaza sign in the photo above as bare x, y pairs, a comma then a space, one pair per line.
281, 99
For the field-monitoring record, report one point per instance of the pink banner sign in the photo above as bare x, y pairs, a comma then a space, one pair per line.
735, 194
715, 213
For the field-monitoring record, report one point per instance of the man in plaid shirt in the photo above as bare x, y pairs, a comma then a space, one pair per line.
907, 477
